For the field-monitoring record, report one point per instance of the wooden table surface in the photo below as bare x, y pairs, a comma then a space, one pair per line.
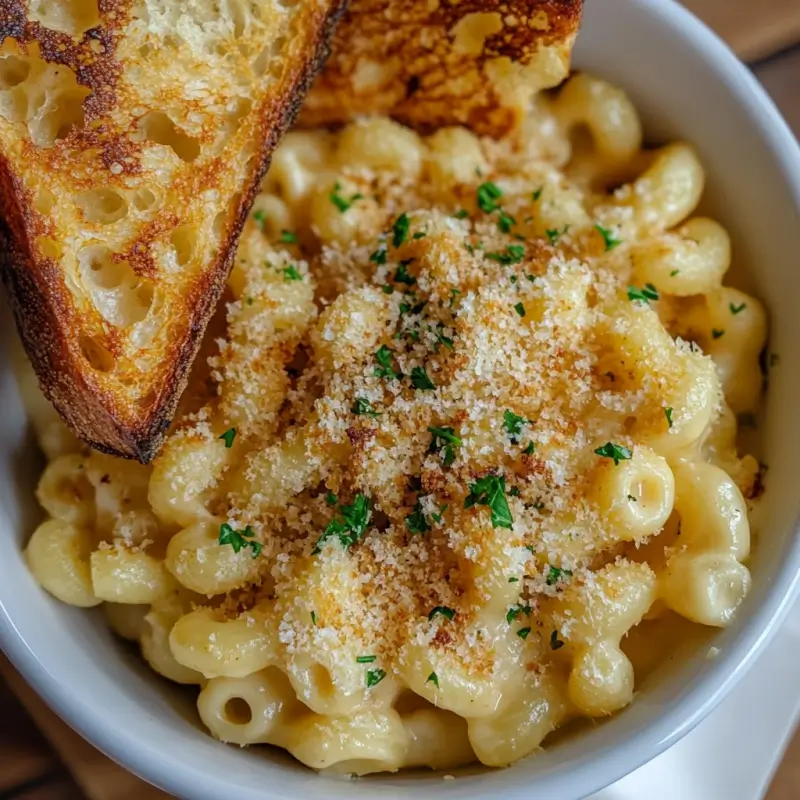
42, 759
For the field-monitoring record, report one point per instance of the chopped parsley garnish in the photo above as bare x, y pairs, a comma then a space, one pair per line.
488, 194
342, 203
523, 632
505, 222
716, 333
379, 256
462, 213
441, 338
491, 491
736, 309
421, 380
537, 194
668, 415
228, 437
291, 274
443, 611
261, 218
674, 273
402, 274
239, 539
453, 293
434, 679
331, 499
530, 447
351, 527
553, 234
513, 424
445, 438
520, 309
608, 237
416, 522
645, 295
249, 301
419, 235
555, 642
515, 611
513, 580
313, 617
365, 659
387, 289
633, 498
614, 451
384, 358
555, 574
374, 677
363, 408
289, 237
513, 254
400, 229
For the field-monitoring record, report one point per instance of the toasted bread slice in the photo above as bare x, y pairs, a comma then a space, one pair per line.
447, 62
133, 138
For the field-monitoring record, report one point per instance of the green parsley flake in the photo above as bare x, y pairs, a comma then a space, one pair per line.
668, 415
384, 358
288, 237
530, 447
674, 273
228, 437
462, 213
513, 580
421, 380
513, 254
379, 256
331, 499
419, 235
441, 338
434, 679
736, 309
555, 642
537, 194
261, 219
488, 194
515, 611
444, 439
614, 451
553, 234
402, 274
633, 498
645, 295
313, 617
400, 229
505, 222
416, 522
363, 408
443, 611
365, 659
523, 633
387, 289
351, 528
291, 274
513, 424
491, 491
374, 677
555, 575
239, 539
520, 309
716, 333
608, 237
343, 204
453, 293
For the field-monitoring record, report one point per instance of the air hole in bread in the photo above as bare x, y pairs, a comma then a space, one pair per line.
72, 17
144, 199
96, 354
102, 206
237, 711
183, 240
159, 128
13, 71
122, 297
46, 97
239, 109
45, 200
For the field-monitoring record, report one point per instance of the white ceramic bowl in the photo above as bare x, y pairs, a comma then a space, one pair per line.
687, 85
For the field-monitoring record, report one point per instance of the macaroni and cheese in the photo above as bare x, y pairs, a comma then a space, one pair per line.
467, 417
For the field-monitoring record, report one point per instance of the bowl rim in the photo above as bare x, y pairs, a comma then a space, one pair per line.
146, 758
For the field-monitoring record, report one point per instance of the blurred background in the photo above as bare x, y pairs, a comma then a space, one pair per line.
42, 759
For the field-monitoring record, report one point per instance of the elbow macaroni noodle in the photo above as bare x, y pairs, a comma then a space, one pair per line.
470, 421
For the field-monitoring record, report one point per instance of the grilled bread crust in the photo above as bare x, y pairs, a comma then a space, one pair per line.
447, 62
133, 138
